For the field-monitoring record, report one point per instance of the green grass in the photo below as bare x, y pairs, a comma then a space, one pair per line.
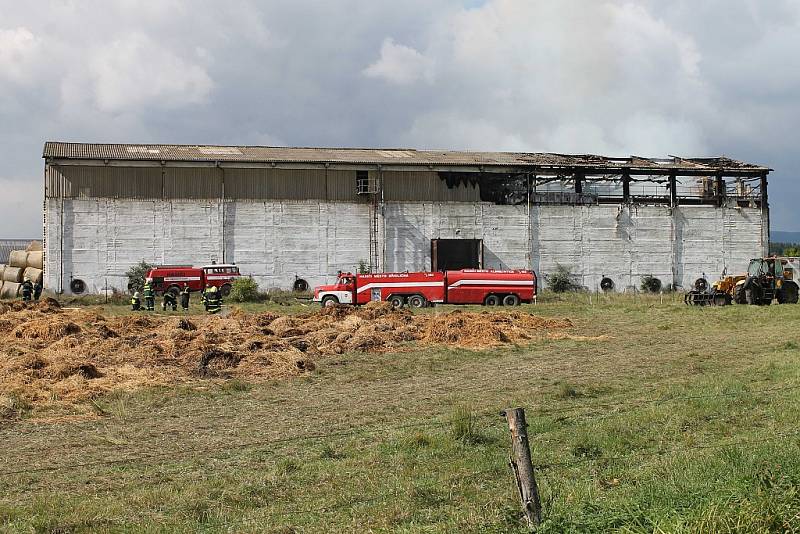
684, 420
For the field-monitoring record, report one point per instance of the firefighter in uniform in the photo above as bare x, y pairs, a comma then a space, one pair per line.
136, 301
169, 301
149, 296
185, 293
37, 290
27, 290
212, 299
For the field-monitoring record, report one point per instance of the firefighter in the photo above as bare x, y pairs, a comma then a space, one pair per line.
136, 301
149, 295
169, 301
37, 290
27, 290
212, 299
185, 293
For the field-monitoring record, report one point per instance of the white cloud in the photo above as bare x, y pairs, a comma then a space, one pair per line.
135, 72
18, 49
400, 64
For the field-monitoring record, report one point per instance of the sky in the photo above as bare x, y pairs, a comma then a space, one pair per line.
647, 77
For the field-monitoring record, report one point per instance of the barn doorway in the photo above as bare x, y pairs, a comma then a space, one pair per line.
454, 254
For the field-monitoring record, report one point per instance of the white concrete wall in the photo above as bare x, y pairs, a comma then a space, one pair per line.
619, 241
275, 241
272, 241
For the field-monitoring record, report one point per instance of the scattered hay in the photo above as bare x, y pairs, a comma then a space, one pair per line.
46, 329
50, 355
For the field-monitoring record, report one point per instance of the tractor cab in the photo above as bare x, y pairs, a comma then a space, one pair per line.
769, 267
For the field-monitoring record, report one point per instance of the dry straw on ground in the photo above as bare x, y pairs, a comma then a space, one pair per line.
54, 356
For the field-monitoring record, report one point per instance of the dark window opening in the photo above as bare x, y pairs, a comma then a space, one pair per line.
454, 254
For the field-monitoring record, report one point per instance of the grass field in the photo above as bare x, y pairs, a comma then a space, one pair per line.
681, 420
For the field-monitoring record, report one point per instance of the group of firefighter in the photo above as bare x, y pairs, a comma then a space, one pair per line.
30, 291
212, 299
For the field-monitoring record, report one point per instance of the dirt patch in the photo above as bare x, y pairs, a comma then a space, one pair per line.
50, 355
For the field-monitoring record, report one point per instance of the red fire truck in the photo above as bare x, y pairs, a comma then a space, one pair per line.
467, 286
172, 277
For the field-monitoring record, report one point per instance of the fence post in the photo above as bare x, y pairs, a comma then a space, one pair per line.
520, 462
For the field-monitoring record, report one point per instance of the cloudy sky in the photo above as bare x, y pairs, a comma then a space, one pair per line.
647, 77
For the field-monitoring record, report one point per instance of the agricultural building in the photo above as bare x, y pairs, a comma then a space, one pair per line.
292, 217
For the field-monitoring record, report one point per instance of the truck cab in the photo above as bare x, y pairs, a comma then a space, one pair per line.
341, 292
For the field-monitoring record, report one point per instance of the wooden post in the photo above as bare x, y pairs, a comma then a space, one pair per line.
520, 462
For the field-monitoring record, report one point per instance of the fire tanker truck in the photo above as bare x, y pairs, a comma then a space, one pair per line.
173, 277
467, 286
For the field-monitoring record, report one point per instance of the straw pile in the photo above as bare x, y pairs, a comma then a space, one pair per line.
54, 356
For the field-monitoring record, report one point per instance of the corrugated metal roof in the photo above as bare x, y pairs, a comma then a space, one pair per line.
373, 156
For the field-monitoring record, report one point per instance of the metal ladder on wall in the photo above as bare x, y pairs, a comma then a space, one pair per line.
368, 184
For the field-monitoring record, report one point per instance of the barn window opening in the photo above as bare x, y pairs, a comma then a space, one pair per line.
363, 184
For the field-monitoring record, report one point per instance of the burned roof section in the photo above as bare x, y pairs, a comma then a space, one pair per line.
54, 150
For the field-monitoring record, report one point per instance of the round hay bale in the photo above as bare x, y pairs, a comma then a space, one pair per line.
36, 259
2, 270
35, 246
10, 290
33, 274
18, 258
13, 274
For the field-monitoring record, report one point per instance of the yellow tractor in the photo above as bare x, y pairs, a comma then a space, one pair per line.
767, 279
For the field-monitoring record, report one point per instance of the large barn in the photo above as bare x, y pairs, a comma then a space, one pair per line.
295, 216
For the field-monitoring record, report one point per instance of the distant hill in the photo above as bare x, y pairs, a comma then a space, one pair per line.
777, 236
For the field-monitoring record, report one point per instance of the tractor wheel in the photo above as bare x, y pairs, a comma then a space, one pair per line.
721, 299
491, 300
787, 294
397, 301
511, 300
417, 301
329, 300
739, 295
701, 285
752, 296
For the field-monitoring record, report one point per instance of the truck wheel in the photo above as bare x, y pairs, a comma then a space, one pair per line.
175, 290
397, 301
417, 301
329, 300
225, 290
511, 300
491, 300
